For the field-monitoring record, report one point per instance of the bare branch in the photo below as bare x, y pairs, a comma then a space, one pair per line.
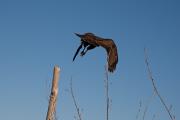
139, 110
154, 85
75, 102
107, 92
147, 105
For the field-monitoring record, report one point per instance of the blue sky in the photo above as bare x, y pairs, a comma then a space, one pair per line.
38, 34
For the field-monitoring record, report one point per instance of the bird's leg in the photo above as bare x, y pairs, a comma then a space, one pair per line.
83, 51
88, 48
85, 44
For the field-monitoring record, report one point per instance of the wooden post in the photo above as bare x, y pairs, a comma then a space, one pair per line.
53, 96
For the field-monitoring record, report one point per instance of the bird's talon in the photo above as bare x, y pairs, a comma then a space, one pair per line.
82, 53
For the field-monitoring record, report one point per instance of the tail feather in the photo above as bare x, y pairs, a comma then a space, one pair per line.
112, 59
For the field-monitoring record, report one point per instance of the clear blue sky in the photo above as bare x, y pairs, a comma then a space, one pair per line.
35, 35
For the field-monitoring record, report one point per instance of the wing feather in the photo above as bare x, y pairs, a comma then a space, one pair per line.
77, 51
112, 58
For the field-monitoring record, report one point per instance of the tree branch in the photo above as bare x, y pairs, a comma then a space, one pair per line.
154, 85
107, 92
75, 102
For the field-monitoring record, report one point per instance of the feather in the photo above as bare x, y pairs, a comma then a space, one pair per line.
108, 44
77, 51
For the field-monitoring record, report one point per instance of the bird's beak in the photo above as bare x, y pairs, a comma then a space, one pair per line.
78, 35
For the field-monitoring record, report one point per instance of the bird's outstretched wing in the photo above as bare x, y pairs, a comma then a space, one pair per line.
77, 51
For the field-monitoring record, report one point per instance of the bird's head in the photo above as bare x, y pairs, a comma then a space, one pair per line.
89, 34
79, 35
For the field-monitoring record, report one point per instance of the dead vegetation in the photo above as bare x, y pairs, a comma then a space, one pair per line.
54, 92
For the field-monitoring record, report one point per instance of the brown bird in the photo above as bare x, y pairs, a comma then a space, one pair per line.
90, 41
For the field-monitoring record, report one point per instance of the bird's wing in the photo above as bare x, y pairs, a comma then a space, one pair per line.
77, 51
112, 58
112, 53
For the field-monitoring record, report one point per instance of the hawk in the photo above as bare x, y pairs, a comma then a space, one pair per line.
90, 41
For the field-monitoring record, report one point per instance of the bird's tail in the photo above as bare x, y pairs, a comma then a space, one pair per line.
112, 60
111, 67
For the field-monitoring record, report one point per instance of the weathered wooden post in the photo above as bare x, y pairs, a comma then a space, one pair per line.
53, 96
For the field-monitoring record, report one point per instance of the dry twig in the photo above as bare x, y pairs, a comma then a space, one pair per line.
75, 102
154, 85
139, 110
147, 105
107, 93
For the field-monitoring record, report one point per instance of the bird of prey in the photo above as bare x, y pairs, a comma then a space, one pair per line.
90, 41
